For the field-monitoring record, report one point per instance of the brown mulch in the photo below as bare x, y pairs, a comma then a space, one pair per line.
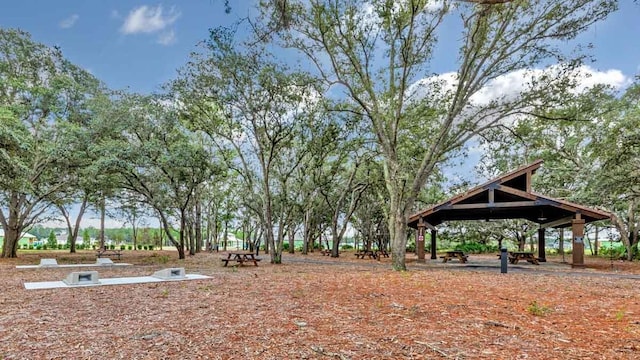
315, 307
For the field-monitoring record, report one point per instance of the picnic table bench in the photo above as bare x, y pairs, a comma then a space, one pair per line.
240, 257
109, 253
382, 253
370, 253
515, 256
327, 252
454, 254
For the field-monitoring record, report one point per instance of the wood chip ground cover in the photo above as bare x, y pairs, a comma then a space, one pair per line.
315, 307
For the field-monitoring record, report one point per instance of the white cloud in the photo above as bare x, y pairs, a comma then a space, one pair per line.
167, 38
148, 19
69, 22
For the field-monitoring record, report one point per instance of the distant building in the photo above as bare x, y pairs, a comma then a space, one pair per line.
26, 239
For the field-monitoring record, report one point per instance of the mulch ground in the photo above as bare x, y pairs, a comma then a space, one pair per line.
315, 307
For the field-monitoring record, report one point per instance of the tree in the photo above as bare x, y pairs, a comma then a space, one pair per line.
52, 242
419, 120
40, 94
152, 155
252, 109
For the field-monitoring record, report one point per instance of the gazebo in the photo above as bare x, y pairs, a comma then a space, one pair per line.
509, 197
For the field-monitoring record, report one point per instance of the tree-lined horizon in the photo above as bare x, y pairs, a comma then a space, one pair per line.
307, 118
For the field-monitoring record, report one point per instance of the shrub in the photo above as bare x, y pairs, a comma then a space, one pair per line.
122, 247
80, 246
30, 247
129, 247
112, 247
346, 247
476, 248
537, 309
144, 247
60, 246
411, 247
25, 246
614, 252
139, 247
44, 247
285, 246
150, 247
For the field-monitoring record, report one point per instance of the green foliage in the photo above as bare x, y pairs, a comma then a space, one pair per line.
51, 240
150, 247
44, 247
129, 247
616, 252
476, 248
285, 246
122, 247
139, 246
538, 309
346, 247
112, 247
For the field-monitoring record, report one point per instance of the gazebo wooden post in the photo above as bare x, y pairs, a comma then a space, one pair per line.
542, 257
420, 240
433, 244
577, 228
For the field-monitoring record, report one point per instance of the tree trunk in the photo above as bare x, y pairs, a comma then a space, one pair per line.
306, 231
292, 240
10, 244
595, 248
198, 225
102, 216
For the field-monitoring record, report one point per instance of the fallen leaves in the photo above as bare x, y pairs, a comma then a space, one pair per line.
312, 307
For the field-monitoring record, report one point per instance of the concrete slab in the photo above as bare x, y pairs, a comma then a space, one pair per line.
104, 261
82, 278
48, 262
110, 281
70, 265
170, 273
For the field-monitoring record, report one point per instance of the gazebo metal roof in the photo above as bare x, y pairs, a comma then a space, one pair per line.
507, 197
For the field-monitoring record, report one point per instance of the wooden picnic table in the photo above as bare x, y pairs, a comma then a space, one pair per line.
102, 252
454, 254
240, 257
372, 254
515, 256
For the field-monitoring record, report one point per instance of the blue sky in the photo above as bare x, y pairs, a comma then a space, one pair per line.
124, 43
139, 44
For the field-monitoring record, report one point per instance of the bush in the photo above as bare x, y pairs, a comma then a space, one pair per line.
285, 246
346, 247
112, 247
129, 247
60, 246
150, 247
122, 247
30, 247
411, 247
139, 247
44, 247
25, 246
614, 252
145, 247
476, 248
80, 246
